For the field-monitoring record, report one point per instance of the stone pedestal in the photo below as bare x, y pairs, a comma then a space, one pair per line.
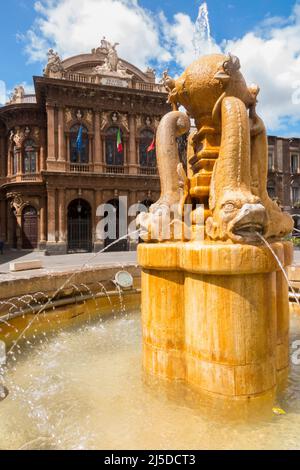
215, 315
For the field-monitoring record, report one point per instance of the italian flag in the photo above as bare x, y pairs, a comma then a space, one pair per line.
119, 142
152, 146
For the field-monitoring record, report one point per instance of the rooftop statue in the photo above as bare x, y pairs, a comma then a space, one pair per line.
112, 64
54, 65
228, 176
17, 95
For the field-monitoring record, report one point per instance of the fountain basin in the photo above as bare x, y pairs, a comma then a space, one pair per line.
216, 315
83, 388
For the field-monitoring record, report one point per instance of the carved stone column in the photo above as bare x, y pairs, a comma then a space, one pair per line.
51, 205
91, 139
43, 233
20, 163
3, 220
98, 242
98, 156
43, 150
9, 162
133, 170
61, 137
51, 133
2, 157
62, 217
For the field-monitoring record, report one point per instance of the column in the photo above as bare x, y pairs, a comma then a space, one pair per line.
61, 136
42, 164
91, 144
3, 220
68, 149
98, 242
43, 235
9, 163
98, 156
104, 150
19, 150
132, 146
62, 215
2, 157
51, 215
10, 225
51, 136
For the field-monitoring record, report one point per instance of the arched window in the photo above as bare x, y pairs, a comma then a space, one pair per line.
147, 158
79, 144
114, 157
30, 157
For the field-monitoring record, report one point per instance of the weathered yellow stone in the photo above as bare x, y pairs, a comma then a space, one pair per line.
215, 315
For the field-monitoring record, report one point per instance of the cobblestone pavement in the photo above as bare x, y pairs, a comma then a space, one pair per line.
62, 263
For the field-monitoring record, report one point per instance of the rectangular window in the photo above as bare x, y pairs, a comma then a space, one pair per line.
294, 163
295, 195
271, 160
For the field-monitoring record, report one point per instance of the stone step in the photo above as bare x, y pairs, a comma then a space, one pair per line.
25, 265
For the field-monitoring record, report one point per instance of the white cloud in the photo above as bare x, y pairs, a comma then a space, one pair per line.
76, 26
270, 55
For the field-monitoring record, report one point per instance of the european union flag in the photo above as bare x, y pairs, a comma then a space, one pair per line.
79, 139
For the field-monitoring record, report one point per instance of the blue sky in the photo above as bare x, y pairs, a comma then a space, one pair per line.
230, 20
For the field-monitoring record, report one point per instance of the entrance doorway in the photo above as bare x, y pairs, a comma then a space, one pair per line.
121, 245
29, 228
79, 227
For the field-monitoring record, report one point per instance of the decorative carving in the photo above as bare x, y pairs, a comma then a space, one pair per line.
16, 201
68, 115
104, 120
148, 121
124, 121
19, 137
215, 94
89, 116
139, 121
151, 73
36, 134
112, 66
17, 96
54, 67
115, 117
79, 115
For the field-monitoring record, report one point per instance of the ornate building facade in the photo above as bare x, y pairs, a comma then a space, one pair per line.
50, 188
284, 174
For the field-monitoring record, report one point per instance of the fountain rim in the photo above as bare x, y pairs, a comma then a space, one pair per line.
214, 258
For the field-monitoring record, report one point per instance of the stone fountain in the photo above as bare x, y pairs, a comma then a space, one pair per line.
215, 307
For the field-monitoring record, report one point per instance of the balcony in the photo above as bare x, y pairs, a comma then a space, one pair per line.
25, 178
115, 170
93, 79
80, 168
148, 171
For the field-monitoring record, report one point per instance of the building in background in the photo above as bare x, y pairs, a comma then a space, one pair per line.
59, 154
82, 140
284, 173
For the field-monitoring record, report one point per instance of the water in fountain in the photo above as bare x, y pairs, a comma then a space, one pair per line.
202, 36
84, 389
280, 265
45, 306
